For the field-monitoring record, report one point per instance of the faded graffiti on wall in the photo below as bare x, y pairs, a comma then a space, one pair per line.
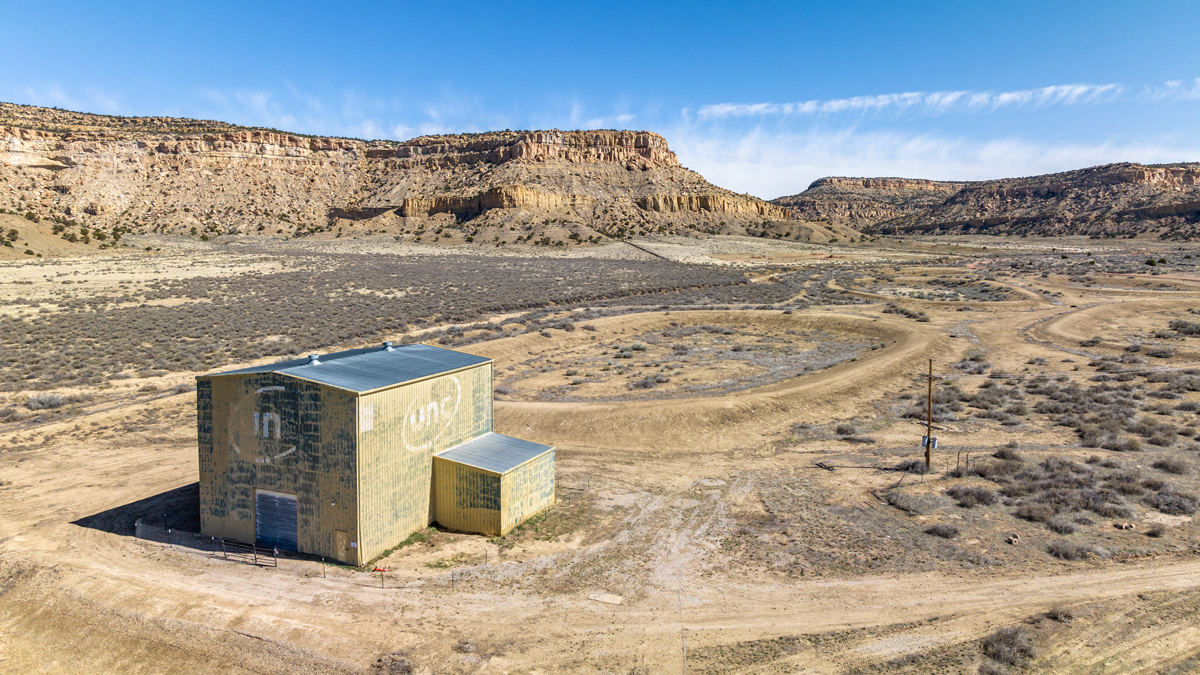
426, 420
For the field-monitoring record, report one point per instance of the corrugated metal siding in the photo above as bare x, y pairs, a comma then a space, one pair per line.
408, 425
495, 452
466, 499
527, 490
275, 432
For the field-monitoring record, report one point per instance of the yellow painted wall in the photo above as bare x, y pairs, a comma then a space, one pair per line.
407, 425
527, 490
466, 499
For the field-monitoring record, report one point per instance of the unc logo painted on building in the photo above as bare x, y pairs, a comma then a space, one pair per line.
426, 420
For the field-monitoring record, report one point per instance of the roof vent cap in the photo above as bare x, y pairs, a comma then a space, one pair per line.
387, 347
314, 359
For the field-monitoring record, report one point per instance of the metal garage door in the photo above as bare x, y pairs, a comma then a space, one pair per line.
275, 519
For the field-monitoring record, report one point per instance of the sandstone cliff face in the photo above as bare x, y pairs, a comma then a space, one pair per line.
195, 176
1103, 201
862, 202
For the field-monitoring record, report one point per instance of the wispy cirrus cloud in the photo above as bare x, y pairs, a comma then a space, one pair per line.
1174, 90
936, 102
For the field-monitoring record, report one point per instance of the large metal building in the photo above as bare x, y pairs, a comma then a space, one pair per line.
345, 455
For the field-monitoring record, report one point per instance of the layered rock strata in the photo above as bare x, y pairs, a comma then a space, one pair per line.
194, 176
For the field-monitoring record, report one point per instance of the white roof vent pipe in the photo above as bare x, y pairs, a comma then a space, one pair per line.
314, 359
387, 347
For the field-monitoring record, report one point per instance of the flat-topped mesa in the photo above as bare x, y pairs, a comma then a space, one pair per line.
640, 149
857, 202
886, 184
206, 179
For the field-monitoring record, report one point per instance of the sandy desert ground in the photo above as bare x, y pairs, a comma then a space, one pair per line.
756, 511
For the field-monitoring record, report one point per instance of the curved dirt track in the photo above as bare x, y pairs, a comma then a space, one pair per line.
1075, 326
697, 424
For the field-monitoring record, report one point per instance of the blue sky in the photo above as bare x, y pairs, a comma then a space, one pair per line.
760, 98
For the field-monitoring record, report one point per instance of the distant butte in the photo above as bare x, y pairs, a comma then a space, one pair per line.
1114, 200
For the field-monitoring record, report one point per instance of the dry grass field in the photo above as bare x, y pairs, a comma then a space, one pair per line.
738, 423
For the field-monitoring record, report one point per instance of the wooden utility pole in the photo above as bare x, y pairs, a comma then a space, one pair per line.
929, 422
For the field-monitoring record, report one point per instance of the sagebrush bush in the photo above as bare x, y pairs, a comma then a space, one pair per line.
1011, 646
1060, 526
1172, 465
45, 402
970, 496
1065, 550
916, 466
942, 530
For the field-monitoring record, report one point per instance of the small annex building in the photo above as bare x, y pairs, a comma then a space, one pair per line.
345, 455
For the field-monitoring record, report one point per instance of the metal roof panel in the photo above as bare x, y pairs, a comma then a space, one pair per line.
494, 452
361, 370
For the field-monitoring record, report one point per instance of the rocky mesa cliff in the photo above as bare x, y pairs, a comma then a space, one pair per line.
207, 178
1113, 200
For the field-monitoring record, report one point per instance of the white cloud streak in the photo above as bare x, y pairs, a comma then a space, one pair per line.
1176, 90
937, 102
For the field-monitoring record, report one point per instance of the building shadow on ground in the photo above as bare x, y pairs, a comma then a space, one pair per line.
178, 509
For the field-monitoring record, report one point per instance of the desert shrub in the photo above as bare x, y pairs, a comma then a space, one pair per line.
1060, 614
1060, 526
1188, 406
45, 402
1156, 530
1007, 453
911, 466
1090, 342
183, 388
1125, 482
1154, 484
972, 368
661, 379
1034, 513
1160, 352
970, 496
997, 471
638, 347
1122, 444
846, 429
1065, 550
1172, 465
1184, 327
1171, 503
503, 390
1104, 503
1011, 646
942, 530
644, 383
148, 388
